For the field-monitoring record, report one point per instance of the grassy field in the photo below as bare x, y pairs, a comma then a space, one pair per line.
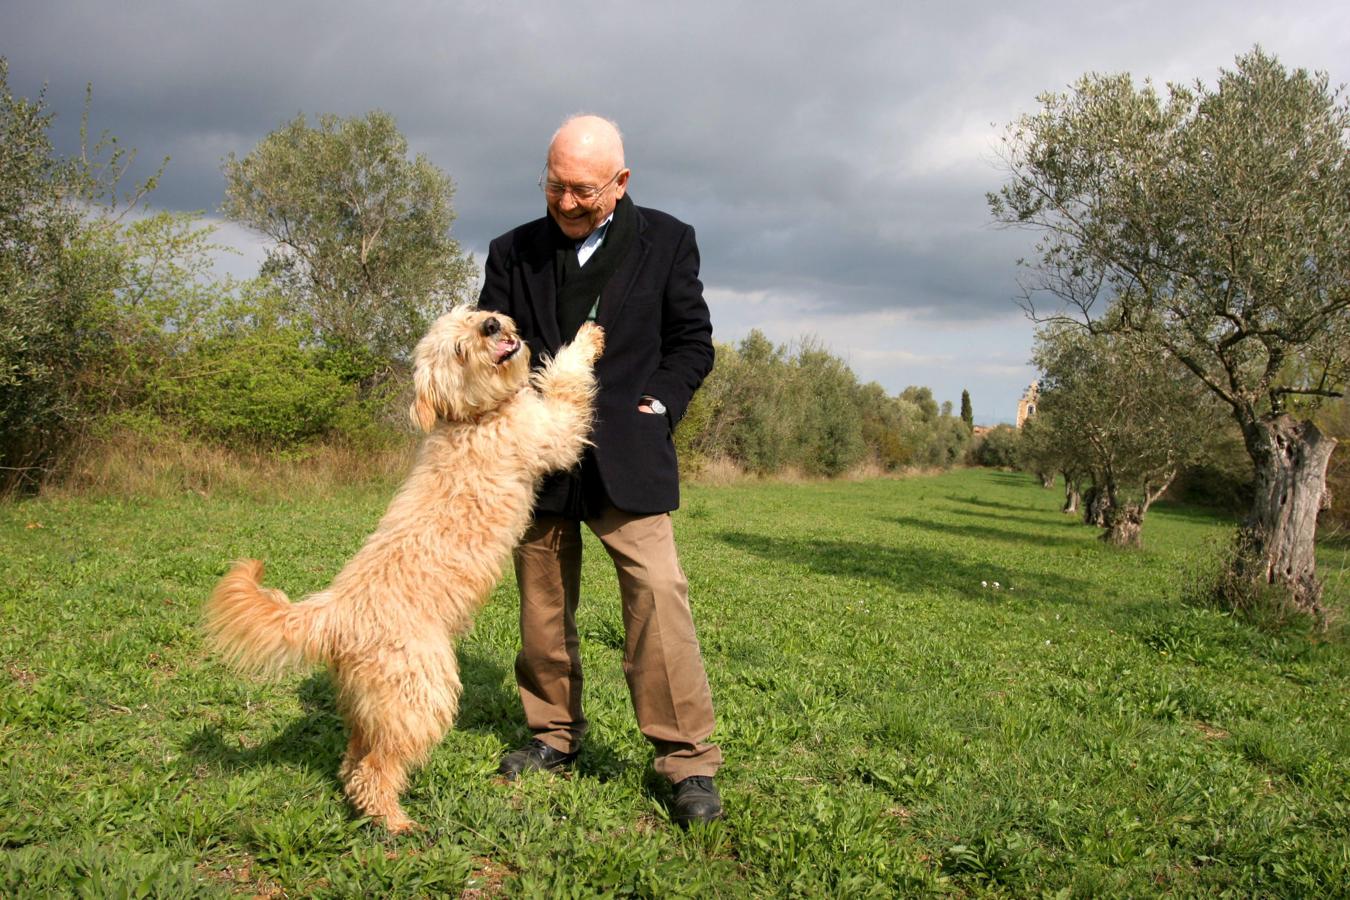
930, 685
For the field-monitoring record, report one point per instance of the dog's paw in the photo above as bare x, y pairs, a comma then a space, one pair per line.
400, 824
591, 339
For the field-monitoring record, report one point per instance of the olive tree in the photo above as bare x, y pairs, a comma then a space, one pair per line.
1218, 219
362, 232
1131, 418
1046, 448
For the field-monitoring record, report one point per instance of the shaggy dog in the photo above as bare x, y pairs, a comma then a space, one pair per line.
385, 625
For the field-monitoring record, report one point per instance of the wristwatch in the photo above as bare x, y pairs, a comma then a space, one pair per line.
656, 405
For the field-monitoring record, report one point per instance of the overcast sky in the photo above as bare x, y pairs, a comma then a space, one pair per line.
833, 157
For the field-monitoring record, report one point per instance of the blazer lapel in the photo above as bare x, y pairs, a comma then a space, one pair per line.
542, 287
616, 291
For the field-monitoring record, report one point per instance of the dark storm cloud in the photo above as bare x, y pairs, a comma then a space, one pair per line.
835, 152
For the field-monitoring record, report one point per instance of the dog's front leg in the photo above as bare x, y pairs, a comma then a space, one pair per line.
566, 385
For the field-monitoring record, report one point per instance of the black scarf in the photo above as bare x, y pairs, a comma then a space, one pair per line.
579, 286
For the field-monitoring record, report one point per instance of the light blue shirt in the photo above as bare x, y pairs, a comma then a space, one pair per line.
586, 249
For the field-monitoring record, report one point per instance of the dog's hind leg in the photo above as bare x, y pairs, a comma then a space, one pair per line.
374, 783
357, 748
373, 769
394, 731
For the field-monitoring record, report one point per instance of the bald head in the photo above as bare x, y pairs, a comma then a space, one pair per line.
590, 136
585, 176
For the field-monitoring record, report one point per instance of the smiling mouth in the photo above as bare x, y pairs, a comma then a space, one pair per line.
507, 348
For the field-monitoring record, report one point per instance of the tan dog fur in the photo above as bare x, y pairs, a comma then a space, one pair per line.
385, 625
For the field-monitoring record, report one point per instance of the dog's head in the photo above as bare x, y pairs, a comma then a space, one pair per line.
469, 362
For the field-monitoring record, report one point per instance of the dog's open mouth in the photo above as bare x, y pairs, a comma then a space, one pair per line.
507, 348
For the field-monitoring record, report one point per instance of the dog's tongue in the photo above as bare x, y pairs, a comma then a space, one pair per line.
506, 347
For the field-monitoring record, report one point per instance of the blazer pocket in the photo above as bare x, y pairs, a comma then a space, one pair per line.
654, 421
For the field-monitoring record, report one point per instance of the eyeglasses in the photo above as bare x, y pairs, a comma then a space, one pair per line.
583, 193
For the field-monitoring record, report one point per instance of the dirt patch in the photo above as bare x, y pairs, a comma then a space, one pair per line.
1211, 732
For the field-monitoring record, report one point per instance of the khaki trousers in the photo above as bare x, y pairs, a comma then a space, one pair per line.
661, 661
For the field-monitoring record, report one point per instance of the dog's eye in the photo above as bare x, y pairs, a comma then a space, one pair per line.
459, 350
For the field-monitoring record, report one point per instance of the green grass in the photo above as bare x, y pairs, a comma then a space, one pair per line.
891, 726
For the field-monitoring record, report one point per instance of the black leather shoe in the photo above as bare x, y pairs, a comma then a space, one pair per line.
534, 756
696, 800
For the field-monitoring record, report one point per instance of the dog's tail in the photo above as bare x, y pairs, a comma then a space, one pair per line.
259, 630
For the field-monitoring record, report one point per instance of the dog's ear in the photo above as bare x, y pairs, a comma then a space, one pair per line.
423, 409
438, 388
422, 415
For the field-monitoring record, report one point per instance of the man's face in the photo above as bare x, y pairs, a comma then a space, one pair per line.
578, 167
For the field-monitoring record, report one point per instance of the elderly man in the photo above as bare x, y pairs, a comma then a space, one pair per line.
634, 271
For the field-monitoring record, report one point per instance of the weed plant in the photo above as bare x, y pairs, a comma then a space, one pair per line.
932, 685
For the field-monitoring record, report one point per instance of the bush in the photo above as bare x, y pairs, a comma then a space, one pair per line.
885, 423
140, 456
256, 388
108, 319
1334, 419
770, 410
56, 262
999, 448
1223, 480
829, 419
1221, 579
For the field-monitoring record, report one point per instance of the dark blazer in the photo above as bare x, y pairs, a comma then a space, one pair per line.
658, 342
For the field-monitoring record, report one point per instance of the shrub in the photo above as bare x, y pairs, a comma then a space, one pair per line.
828, 425
258, 387
1334, 419
56, 261
1223, 480
771, 410
1000, 448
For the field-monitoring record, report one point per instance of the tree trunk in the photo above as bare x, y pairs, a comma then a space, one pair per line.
1070, 496
1047, 479
1276, 546
1124, 523
1096, 503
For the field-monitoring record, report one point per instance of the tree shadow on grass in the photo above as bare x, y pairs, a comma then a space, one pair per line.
985, 532
967, 500
1044, 520
913, 568
1000, 475
1189, 513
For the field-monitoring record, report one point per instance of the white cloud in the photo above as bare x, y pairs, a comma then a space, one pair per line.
246, 248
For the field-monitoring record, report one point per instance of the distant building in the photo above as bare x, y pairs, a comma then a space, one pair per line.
1026, 407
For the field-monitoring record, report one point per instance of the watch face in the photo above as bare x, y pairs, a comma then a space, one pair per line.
658, 407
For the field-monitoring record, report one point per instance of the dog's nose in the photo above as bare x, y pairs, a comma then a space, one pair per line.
491, 326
